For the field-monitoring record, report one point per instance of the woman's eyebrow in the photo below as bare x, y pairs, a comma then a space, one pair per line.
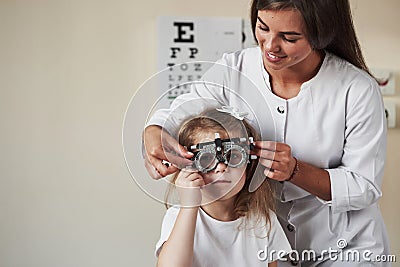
262, 22
285, 33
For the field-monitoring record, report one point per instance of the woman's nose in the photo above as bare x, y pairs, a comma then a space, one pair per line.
272, 44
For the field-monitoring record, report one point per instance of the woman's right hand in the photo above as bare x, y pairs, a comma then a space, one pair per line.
159, 147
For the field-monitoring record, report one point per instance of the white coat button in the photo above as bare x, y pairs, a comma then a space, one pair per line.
280, 109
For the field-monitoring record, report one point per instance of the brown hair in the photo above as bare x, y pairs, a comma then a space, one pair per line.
329, 25
256, 204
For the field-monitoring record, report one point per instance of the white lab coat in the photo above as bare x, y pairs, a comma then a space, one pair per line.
336, 122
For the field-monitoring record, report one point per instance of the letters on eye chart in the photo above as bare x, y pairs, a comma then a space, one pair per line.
184, 46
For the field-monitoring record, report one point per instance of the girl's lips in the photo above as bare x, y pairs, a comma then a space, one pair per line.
222, 182
219, 182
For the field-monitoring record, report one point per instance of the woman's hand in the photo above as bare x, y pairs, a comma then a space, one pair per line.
161, 147
280, 165
188, 184
277, 158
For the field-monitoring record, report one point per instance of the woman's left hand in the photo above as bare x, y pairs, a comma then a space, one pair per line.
277, 158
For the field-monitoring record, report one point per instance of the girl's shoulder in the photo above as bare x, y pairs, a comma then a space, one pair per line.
171, 213
260, 225
173, 210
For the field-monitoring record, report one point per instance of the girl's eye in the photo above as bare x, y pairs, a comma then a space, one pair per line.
234, 157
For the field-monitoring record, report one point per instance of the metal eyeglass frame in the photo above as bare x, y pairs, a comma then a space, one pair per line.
219, 150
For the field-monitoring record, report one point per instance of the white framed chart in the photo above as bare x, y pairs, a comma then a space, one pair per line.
182, 40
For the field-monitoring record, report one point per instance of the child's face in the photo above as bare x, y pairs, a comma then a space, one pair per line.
223, 182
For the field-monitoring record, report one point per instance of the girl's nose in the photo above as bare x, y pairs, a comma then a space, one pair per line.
221, 167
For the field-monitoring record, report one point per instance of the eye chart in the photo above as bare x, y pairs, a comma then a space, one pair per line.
192, 40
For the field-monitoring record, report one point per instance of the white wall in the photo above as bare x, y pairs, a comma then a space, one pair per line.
68, 69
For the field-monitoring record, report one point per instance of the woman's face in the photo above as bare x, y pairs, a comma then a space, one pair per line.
282, 38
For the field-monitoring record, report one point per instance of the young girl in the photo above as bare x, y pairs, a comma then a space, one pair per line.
219, 222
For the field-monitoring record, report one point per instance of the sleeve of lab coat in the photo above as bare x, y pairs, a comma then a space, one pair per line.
356, 183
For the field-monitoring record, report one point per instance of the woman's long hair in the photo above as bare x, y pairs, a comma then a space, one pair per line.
329, 25
257, 204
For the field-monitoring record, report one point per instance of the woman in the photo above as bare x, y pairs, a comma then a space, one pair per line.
329, 141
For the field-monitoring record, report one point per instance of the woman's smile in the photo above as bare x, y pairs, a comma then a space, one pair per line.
273, 58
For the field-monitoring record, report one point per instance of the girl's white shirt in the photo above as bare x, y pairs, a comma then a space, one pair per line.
234, 243
336, 122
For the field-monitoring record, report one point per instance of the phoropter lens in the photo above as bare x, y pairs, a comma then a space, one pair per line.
205, 161
236, 156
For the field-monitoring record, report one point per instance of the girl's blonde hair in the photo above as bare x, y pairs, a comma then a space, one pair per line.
256, 204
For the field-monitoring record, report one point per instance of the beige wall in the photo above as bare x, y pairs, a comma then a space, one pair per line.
67, 71
377, 26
